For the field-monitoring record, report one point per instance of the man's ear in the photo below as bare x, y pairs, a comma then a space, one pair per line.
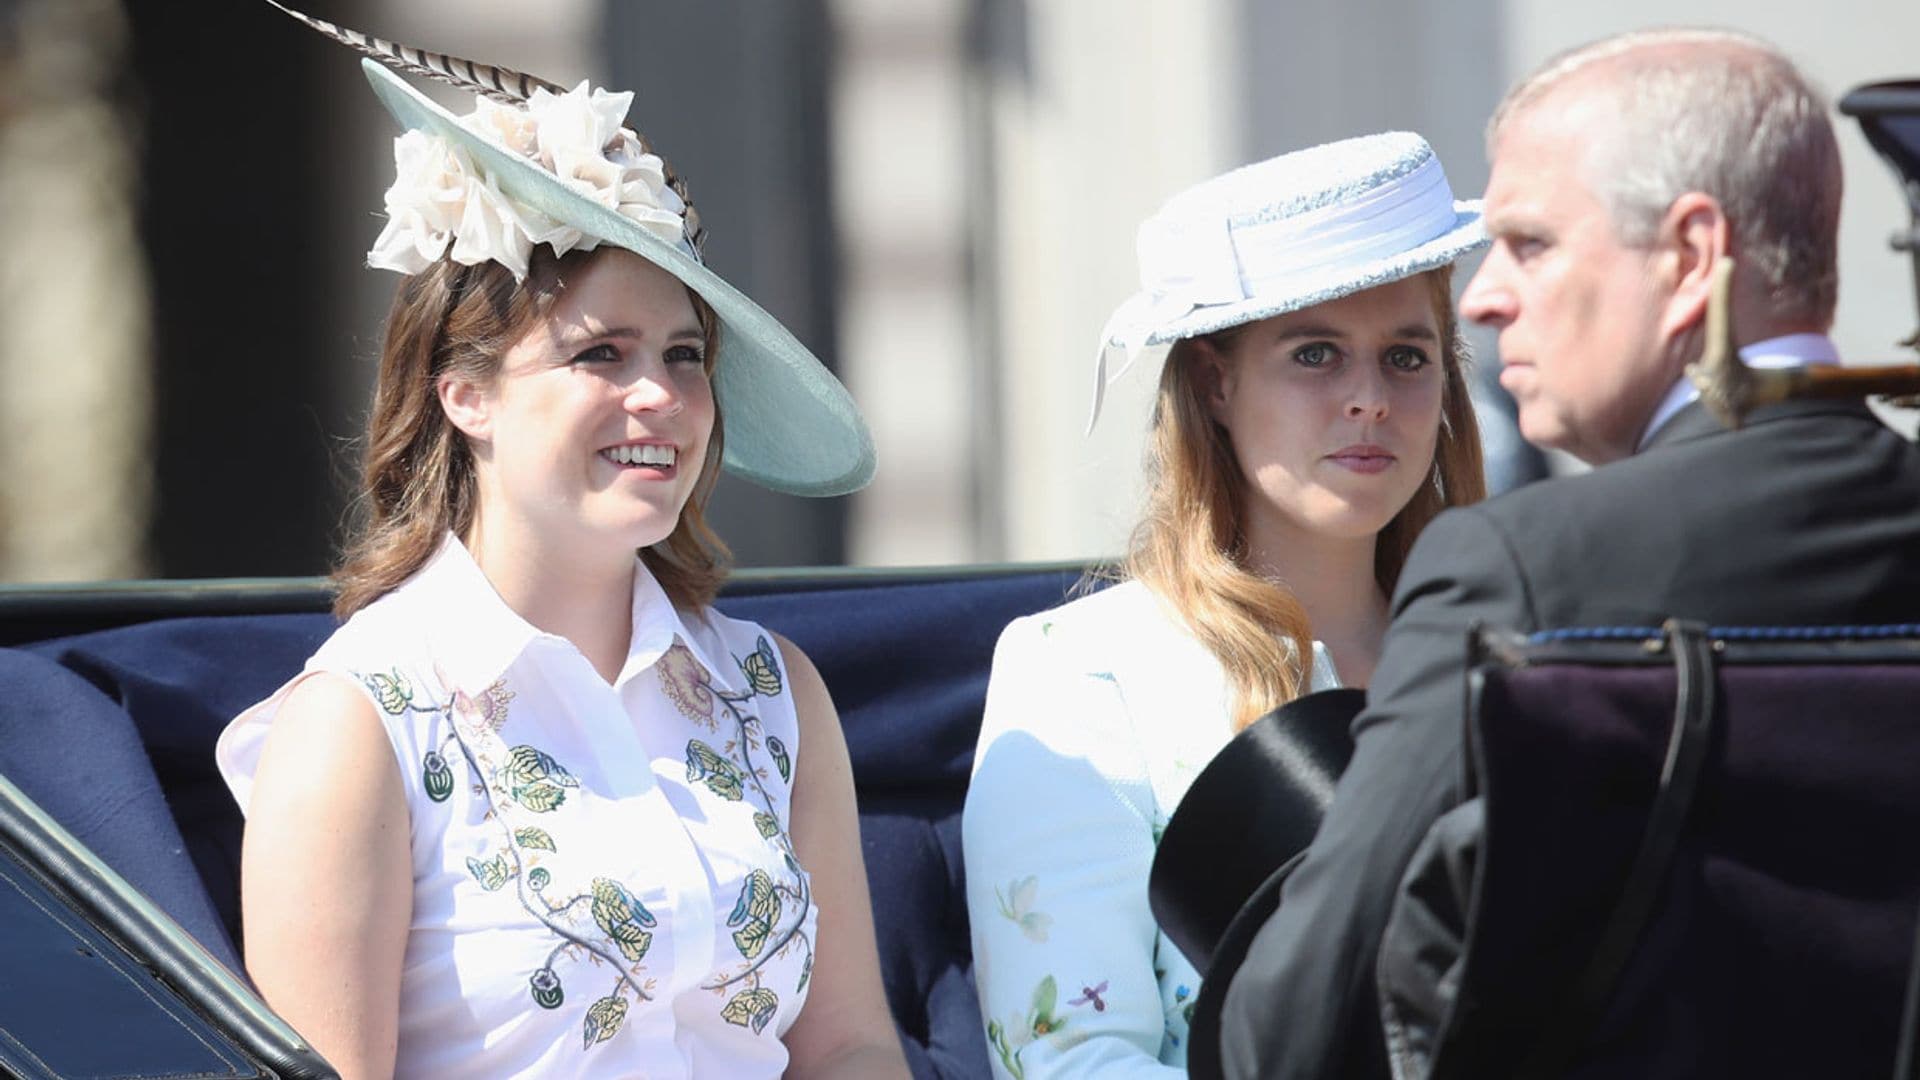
1213, 375
1694, 236
467, 405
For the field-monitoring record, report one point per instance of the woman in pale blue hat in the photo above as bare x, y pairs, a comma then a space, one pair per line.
1312, 416
537, 808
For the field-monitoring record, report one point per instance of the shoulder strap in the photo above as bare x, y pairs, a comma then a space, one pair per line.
1687, 747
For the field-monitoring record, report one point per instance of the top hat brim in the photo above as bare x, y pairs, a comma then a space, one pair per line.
1243, 825
1466, 235
1203, 1027
1255, 806
790, 425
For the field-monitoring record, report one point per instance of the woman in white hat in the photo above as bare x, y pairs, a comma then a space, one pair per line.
536, 808
1312, 416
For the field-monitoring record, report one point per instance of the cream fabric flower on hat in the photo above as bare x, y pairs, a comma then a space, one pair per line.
438, 195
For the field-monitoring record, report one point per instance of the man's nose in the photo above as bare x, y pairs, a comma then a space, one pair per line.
1487, 299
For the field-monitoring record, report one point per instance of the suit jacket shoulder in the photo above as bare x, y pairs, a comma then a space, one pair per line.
1798, 517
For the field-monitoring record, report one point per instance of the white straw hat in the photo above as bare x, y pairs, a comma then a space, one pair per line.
1284, 234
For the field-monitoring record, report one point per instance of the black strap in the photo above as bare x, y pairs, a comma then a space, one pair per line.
1687, 747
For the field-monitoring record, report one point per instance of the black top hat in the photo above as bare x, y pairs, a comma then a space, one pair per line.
1238, 832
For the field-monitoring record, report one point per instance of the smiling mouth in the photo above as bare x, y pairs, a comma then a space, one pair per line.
642, 455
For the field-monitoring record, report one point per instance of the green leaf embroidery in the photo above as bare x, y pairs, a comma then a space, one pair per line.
622, 918
536, 781
604, 1018
491, 874
768, 825
751, 1008
435, 776
1009, 1055
531, 837
722, 777
762, 669
780, 758
393, 691
1045, 997
755, 913
806, 974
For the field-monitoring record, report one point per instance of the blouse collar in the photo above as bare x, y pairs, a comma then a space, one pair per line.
475, 636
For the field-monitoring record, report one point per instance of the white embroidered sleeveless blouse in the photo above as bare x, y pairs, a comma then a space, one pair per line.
604, 883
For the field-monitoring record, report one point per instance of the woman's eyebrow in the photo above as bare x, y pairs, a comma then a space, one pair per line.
577, 334
1319, 330
1413, 331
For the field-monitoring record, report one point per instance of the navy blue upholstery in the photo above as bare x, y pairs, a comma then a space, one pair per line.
178, 682
78, 755
906, 659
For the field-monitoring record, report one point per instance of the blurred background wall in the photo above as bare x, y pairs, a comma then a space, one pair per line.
938, 196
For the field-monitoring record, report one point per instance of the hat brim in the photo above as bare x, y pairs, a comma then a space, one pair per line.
1204, 1050
790, 425
1467, 235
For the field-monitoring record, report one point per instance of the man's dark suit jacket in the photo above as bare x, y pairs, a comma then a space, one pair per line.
1808, 515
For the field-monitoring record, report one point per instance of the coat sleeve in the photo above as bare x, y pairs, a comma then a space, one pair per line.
1058, 841
1303, 1002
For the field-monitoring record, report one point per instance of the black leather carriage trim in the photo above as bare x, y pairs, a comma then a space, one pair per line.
148, 939
1906, 1064
1730, 633
1896, 643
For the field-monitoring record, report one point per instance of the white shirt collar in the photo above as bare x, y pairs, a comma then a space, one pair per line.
475, 636
1789, 350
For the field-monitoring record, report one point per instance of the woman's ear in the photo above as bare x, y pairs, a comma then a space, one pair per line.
1213, 377
467, 405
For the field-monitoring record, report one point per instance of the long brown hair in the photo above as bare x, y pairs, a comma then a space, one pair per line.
1190, 545
417, 478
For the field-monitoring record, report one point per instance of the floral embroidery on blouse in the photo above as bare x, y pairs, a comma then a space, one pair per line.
685, 684
528, 780
1042, 1020
729, 771
1016, 904
1179, 1013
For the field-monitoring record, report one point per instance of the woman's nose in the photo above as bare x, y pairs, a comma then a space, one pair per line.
1367, 395
652, 390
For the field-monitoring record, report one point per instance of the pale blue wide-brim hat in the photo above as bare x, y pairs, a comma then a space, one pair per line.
790, 425
1284, 234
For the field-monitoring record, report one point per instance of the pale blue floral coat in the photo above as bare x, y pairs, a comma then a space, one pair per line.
1099, 715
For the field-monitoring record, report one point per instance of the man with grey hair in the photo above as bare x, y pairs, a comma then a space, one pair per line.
1624, 173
